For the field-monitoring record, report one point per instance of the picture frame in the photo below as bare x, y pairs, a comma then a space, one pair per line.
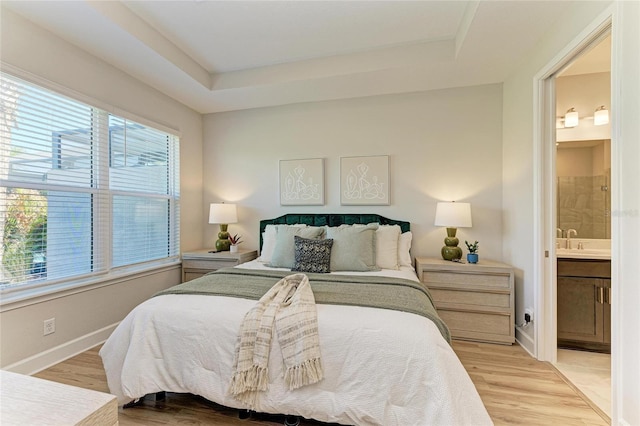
302, 182
364, 181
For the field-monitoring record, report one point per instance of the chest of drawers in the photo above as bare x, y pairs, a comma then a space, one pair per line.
476, 301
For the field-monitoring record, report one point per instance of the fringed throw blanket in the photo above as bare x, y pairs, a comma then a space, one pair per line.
290, 306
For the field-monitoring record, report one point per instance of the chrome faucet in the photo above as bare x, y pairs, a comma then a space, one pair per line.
575, 234
558, 233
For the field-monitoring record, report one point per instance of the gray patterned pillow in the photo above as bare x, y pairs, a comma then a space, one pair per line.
312, 255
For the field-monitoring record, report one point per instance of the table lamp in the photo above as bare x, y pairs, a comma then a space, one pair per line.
223, 214
452, 215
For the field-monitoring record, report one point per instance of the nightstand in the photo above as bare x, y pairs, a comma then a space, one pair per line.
476, 301
199, 262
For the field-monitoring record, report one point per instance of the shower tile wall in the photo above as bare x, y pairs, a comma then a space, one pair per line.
583, 205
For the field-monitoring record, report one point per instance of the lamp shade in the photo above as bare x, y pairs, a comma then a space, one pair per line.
220, 213
453, 215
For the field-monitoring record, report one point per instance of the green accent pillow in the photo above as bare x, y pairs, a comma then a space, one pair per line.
284, 250
354, 248
312, 255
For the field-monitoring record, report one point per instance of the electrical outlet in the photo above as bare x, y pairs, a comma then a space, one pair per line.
49, 326
528, 315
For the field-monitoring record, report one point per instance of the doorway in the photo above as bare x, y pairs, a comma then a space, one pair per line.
576, 182
583, 222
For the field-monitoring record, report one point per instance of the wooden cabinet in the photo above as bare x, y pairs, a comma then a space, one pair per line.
476, 301
584, 304
197, 263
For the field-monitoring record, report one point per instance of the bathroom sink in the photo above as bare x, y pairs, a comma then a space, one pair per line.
584, 253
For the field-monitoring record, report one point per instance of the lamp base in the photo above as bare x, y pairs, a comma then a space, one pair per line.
451, 251
223, 243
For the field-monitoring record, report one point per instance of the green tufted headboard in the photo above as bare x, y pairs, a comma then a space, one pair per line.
327, 219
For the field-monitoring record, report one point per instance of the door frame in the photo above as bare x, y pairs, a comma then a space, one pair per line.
544, 170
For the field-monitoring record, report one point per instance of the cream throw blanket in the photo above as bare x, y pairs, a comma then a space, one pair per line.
290, 305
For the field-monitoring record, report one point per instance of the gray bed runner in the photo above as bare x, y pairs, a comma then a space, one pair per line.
354, 290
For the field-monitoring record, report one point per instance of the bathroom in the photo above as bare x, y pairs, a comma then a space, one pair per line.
583, 220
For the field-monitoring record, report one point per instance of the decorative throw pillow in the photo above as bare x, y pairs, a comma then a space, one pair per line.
269, 241
312, 255
404, 246
387, 238
354, 248
284, 250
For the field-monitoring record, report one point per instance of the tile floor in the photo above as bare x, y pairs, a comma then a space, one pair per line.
590, 372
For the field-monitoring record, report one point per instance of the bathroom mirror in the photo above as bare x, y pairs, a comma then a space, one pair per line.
583, 187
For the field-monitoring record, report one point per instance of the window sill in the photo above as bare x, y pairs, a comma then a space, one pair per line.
15, 298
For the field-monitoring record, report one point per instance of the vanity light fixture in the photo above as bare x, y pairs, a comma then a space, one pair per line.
601, 116
571, 119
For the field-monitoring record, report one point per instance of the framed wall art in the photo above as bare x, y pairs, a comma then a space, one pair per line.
302, 182
364, 181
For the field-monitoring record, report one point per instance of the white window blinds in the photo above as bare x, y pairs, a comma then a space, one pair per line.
143, 184
81, 191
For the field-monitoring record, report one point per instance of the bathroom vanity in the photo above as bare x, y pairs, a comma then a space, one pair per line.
584, 299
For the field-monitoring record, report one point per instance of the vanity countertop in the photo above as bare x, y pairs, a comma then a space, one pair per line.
596, 254
589, 249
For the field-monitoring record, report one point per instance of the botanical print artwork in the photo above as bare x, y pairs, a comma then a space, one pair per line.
301, 182
365, 180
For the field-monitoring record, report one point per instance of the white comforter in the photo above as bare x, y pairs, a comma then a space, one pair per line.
382, 367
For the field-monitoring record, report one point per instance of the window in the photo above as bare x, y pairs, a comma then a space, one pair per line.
82, 192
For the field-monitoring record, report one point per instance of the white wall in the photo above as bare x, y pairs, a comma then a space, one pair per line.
80, 315
444, 145
83, 317
584, 92
518, 187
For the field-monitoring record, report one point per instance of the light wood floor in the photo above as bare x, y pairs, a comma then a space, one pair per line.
515, 388
590, 372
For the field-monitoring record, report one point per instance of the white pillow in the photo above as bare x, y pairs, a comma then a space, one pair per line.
387, 239
404, 246
269, 241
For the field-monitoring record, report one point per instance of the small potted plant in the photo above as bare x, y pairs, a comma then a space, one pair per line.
472, 256
235, 240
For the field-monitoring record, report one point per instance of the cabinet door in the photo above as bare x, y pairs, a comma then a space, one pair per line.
580, 311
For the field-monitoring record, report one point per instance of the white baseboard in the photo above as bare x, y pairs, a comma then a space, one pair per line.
53, 356
526, 341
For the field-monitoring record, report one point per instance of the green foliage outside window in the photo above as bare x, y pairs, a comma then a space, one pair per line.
25, 235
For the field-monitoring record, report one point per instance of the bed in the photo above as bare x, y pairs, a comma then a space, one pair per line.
382, 365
